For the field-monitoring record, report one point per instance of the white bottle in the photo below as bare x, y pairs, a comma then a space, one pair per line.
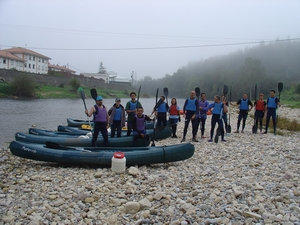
118, 162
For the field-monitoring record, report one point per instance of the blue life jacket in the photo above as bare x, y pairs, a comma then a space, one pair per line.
244, 105
217, 108
133, 105
271, 102
118, 114
162, 108
191, 104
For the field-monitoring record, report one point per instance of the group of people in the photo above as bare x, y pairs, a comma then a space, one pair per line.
195, 111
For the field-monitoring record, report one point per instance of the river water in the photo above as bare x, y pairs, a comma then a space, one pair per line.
19, 115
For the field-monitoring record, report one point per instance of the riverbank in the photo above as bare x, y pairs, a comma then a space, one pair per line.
249, 179
52, 92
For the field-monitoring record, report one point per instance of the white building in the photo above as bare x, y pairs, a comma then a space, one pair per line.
102, 74
23, 59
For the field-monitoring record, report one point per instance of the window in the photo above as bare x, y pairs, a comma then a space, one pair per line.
32, 66
25, 65
42, 60
4, 61
29, 65
39, 60
33, 57
29, 57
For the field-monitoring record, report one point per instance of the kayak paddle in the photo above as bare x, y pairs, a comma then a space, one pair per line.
280, 87
254, 127
82, 95
166, 93
197, 90
94, 93
154, 131
138, 96
229, 126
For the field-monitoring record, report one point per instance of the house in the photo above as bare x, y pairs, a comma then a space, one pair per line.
23, 59
102, 74
58, 68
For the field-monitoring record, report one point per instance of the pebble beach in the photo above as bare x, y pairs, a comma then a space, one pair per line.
250, 179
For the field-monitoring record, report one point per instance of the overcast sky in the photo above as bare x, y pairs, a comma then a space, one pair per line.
94, 24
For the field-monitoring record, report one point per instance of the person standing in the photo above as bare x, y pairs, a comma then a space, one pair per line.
272, 104
260, 108
203, 107
224, 115
161, 112
190, 110
131, 108
116, 118
243, 113
174, 117
218, 108
100, 121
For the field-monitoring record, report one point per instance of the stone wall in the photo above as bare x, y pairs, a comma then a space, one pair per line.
56, 80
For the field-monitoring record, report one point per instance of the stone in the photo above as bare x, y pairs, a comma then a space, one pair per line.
252, 215
146, 214
145, 203
158, 196
132, 207
58, 202
52, 197
133, 171
89, 200
98, 174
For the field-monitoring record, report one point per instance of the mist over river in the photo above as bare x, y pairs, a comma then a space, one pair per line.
19, 115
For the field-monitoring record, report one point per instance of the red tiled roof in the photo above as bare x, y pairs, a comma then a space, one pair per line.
8, 55
19, 50
62, 68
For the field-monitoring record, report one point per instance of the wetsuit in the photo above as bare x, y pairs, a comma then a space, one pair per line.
174, 118
116, 120
216, 118
191, 108
131, 106
139, 126
272, 104
162, 110
202, 115
259, 113
100, 125
244, 108
224, 117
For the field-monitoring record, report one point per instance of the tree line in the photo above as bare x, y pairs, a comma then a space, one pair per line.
264, 65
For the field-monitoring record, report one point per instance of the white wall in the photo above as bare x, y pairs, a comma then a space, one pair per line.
11, 64
34, 64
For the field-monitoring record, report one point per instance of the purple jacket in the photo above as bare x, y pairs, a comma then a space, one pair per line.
203, 111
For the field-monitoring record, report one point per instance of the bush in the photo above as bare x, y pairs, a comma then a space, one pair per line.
297, 89
23, 87
62, 85
74, 84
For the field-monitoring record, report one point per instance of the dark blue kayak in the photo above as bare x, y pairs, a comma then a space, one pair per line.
101, 157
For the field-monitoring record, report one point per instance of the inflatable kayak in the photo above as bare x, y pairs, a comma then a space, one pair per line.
101, 157
127, 141
79, 123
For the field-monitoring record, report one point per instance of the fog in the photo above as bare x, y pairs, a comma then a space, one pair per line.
138, 24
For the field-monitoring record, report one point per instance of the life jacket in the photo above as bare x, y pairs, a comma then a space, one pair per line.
217, 108
244, 105
118, 114
191, 104
162, 108
174, 110
100, 114
272, 102
260, 105
140, 123
133, 105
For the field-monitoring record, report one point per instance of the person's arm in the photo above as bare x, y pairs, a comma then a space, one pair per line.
239, 102
91, 112
134, 124
211, 106
107, 119
278, 101
250, 103
185, 103
167, 107
225, 108
147, 118
110, 111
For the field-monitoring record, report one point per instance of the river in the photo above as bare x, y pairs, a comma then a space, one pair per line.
19, 115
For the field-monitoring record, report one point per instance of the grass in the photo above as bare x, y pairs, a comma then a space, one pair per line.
47, 91
291, 97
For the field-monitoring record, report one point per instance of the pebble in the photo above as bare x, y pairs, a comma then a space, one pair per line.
132, 207
133, 171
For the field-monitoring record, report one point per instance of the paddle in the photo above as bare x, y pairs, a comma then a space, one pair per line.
166, 93
254, 127
82, 95
197, 90
229, 126
279, 87
225, 92
94, 93
138, 96
154, 131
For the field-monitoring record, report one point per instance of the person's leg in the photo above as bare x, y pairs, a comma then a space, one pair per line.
195, 126
245, 114
119, 128
164, 121
239, 121
104, 133
213, 124
129, 127
95, 134
113, 129
274, 120
256, 118
172, 122
224, 117
268, 120
260, 118
221, 128
186, 125
159, 120
202, 126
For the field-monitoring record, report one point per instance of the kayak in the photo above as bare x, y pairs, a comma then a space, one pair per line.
101, 157
127, 141
161, 133
79, 123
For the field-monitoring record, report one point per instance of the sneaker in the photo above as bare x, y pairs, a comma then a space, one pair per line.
195, 140
236, 132
224, 140
175, 136
242, 131
210, 140
203, 137
183, 140
216, 139
265, 132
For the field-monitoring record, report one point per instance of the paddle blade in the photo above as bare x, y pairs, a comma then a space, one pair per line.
94, 93
197, 90
225, 90
81, 92
280, 86
166, 91
156, 96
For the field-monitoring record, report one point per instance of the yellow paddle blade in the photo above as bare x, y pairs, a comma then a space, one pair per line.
124, 128
86, 127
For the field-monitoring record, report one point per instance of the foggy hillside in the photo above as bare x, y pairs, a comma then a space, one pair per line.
265, 65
